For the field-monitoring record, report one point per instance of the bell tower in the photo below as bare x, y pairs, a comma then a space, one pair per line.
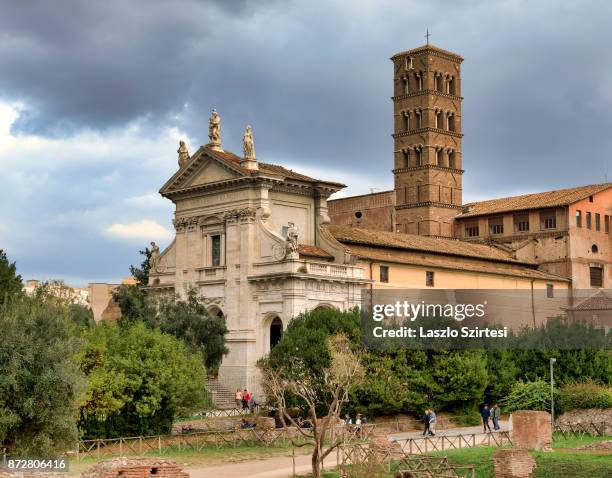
427, 140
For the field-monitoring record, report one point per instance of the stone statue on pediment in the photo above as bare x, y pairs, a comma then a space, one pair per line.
248, 147
214, 129
292, 242
154, 258
183, 154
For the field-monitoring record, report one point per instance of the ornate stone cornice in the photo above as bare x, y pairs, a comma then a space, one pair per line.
182, 223
243, 215
427, 129
428, 166
427, 92
428, 203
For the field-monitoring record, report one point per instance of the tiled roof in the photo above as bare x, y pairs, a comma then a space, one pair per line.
397, 240
561, 197
313, 251
599, 301
423, 48
444, 262
266, 168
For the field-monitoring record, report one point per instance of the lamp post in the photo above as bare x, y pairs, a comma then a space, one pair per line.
552, 391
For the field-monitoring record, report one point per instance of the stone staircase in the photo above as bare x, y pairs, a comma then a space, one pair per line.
223, 397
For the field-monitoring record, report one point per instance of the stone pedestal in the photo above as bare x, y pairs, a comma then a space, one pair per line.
531, 430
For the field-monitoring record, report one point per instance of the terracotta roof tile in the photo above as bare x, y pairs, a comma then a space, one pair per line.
429, 47
313, 251
396, 240
599, 301
267, 168
440, 261
561, 197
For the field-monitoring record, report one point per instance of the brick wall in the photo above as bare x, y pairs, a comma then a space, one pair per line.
513, 464
531, 430
135, 468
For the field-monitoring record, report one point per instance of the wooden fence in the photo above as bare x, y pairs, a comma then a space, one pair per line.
394, 461
428, 444
198, 440
582, 429
195, 441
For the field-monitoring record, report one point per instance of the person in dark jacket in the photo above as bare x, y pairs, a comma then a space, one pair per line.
495, 414
426, 418
485, 413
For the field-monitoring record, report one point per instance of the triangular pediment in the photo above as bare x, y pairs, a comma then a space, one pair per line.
203, 168
210, 171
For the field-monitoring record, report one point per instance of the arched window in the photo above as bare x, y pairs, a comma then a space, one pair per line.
439, 119
438, 82
452, 159
451, 86
594, 249
418, 153
276, 331
405, 158
406, 85
451, 121
440, 156
419, 118
406, 120
419, 80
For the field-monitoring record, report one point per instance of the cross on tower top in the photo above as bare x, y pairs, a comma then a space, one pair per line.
427, 35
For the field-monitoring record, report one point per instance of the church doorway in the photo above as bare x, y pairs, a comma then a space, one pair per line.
276, 332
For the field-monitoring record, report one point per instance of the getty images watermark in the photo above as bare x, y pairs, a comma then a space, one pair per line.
463, 318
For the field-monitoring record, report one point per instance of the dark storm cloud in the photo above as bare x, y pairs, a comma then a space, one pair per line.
314, 80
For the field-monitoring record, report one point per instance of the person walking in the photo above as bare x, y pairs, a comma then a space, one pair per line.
432, 422
495, 414
238, 398
246, 396
485, 413
426, 422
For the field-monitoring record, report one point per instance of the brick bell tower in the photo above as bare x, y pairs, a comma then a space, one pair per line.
427, 140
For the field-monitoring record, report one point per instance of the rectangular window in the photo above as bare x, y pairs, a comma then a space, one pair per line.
607, 224
550, 291
597, 222
596, 276
521, 223
216, 250
285, 231
548, 220
588, 220
496, 226
578, 218
471, 229
384, 273
429, 278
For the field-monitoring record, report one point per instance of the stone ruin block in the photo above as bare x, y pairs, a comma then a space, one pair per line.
137, 467
531, 430
513, 464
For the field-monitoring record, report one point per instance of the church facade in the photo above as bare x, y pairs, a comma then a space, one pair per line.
261, 243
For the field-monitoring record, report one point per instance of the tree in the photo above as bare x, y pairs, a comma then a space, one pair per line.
529, 395
331, 387
139, 380
190, 321
141, 274
135, 305
10, 281
40, 385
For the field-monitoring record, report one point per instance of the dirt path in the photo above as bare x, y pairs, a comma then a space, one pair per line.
277, 467
282, 466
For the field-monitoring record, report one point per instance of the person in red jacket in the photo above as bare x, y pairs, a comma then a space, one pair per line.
246, 398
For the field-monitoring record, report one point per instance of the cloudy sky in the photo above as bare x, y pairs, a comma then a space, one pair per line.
94, 97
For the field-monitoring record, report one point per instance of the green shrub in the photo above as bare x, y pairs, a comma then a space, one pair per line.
529, 395
583, 395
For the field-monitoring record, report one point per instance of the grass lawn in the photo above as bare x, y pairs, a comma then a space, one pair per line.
563, 462
206, 456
